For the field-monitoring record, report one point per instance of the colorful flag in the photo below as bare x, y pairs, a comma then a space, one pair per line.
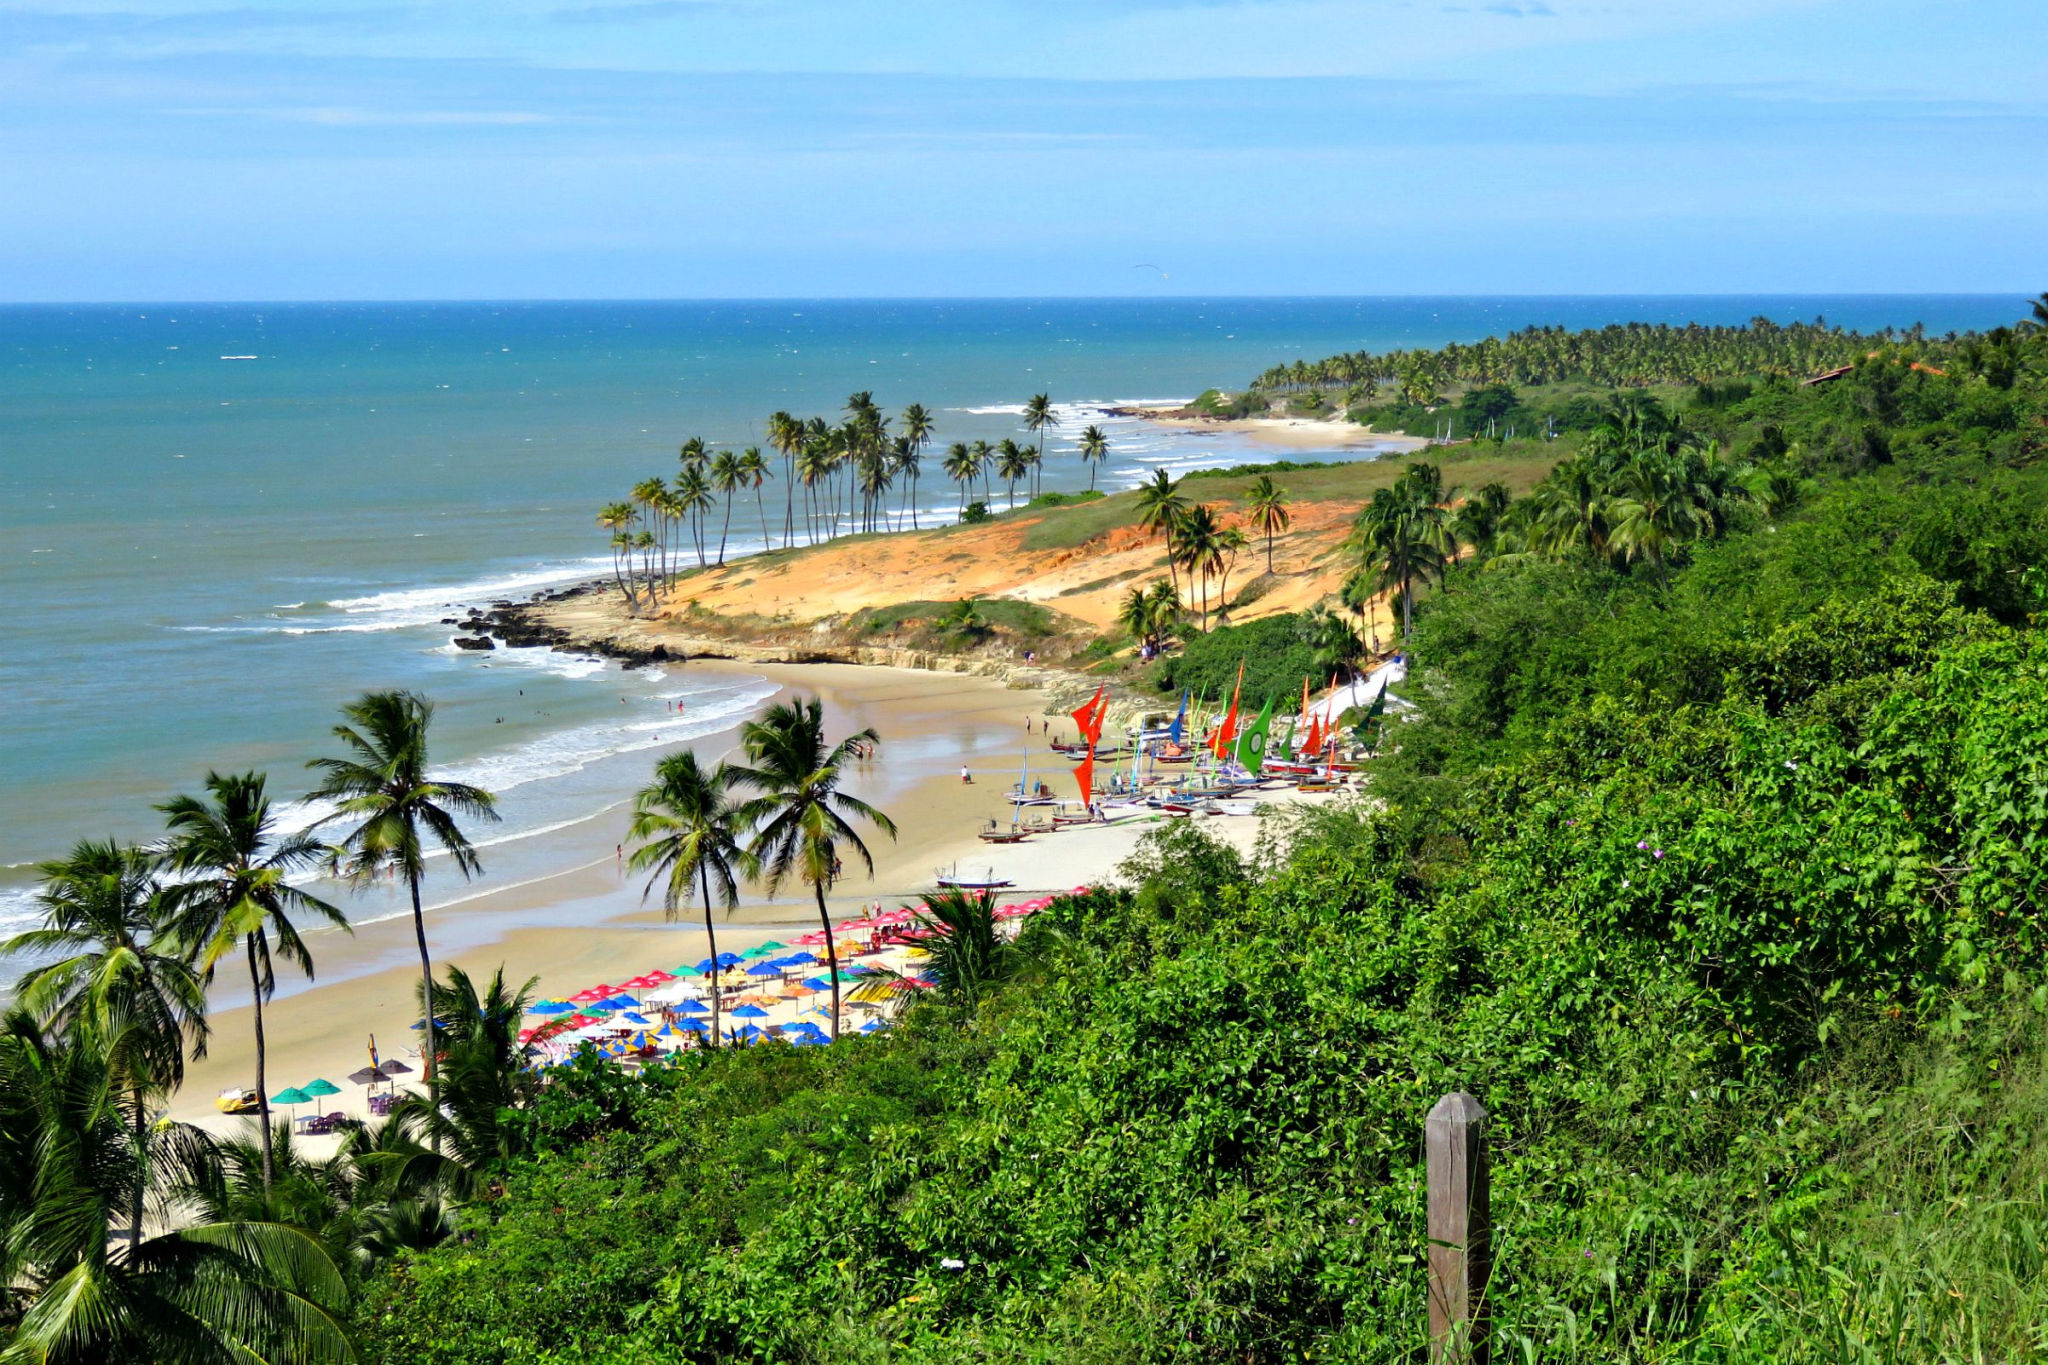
1173, 732
1251, 745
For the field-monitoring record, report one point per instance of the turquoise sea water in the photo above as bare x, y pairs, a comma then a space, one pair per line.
217, 522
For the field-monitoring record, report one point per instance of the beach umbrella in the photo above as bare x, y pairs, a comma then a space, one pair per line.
693, 1026
749, 1032
800, 959
764, 969
394, 1067
293, 1097
693, 1007
872, 1026
368, 1075
591, 996
637, 1020
320, 1086
750, 1012
553, 1007
807, 1040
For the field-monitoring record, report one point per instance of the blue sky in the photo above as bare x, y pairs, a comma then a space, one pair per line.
693, 148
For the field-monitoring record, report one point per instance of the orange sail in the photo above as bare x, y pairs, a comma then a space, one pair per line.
1227, 736
1089, 719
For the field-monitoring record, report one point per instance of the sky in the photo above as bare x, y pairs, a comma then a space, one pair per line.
378, 149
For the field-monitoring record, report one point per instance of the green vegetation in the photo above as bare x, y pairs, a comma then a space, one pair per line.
1714, 871
980, 620
1064, 499
1617, 356
1712, 855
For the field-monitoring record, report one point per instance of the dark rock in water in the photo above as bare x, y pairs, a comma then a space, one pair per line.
474, 642
449, 621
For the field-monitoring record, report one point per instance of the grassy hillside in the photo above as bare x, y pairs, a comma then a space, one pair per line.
1720, 881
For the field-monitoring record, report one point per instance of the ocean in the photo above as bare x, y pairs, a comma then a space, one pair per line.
220, 521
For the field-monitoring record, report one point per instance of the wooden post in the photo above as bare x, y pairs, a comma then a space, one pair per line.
1454, 1140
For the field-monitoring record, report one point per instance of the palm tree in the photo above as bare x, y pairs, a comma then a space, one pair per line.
384, 788
1482, 518
693, 495
1160, 510
1012, 464
786, 434
1334, 645
917, 434
485, 1077
1039, 415
107, 980
1196, 544
1267, 504
1094, 450
1224, 548
984, 461
961, 466
966, 953
801, 816
754, 472
1150, 614
205, 1292
652, 496
617, 517
688, 829
238, 894
727, 478
1401, 536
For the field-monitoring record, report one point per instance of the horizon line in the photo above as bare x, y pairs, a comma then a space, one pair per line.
2020, 294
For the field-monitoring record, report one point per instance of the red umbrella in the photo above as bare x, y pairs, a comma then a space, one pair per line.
641, 983
578, 1021
659, 977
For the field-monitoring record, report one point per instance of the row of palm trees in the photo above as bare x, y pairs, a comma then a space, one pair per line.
847, 472
252, 1237
1200, 542
1640, 489
782, 816
100, 1030
1618, 355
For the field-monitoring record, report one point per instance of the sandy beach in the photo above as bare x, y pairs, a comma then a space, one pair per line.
368, 983
1294, 433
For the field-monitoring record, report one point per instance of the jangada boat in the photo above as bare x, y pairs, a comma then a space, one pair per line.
236, 1099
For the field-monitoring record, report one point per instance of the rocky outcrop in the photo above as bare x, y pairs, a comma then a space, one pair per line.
474, 642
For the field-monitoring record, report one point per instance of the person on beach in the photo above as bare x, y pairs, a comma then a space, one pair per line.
965, 776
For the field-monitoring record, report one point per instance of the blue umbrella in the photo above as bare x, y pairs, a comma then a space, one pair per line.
856, 970
764, 969
636, 1020
694, 1026
799, 959
749, 1031
872, 1025
619, 1002
808, 1040
553, 1007
749, 1012
692, 1007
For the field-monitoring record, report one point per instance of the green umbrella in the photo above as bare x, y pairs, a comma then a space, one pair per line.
320, 1085
291, 1096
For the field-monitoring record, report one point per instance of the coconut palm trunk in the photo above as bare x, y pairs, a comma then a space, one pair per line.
831, 955
711, 939
262, 1085
429, 1052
